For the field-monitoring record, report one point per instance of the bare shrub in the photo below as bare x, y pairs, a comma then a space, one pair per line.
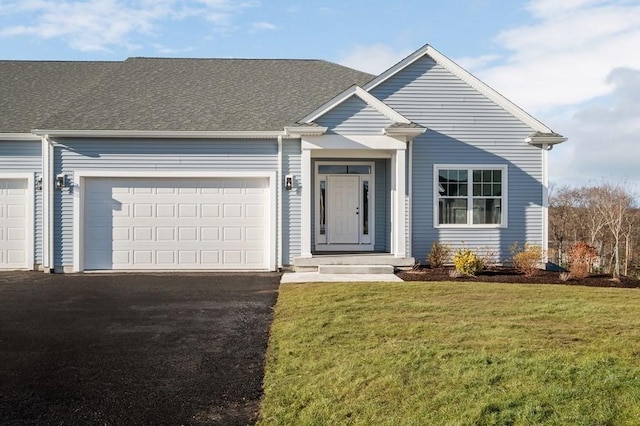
581, 256
454, 273
527, 258
565, 276
439, 254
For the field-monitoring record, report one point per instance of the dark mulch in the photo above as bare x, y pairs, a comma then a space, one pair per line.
510, 275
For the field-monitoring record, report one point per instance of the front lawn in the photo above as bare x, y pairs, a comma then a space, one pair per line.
453, 353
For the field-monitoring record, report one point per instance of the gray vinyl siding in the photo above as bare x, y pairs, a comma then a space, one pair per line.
383, 206
146, 155
292, 206
26, 157
465, 127
354, 116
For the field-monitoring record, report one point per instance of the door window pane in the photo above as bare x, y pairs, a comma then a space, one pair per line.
365, 207
323, 190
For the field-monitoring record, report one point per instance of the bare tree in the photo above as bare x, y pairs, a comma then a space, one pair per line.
612, 202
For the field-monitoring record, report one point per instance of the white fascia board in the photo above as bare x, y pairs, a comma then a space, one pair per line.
19, 137
351, 142
159, 134
465, 76
366, 97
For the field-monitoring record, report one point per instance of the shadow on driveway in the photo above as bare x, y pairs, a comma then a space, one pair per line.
133, 348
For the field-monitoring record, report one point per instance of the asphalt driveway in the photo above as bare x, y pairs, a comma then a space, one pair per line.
133, 348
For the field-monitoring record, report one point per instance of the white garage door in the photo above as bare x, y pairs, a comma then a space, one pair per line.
140, 223
14, 197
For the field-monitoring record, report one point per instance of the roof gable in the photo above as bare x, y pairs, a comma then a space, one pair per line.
466, 77
365, 97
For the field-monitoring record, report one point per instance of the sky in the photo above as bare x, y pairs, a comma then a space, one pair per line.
572, 64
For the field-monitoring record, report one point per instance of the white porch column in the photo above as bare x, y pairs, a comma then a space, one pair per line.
399, 217
305, 236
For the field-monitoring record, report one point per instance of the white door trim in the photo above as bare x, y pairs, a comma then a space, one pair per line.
30, 211
366, 242
79, 177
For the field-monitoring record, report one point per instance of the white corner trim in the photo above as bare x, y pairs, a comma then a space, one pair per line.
366, 97
78, 202
465, 76
30, 212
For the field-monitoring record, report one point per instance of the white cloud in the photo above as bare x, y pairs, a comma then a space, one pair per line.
374, 58
258, 26
100, 25
603, 136
564, 57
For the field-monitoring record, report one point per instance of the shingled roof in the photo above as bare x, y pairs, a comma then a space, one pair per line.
159, 94
30, 91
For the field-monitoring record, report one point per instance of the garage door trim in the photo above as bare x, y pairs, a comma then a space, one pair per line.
79, 177
30, 212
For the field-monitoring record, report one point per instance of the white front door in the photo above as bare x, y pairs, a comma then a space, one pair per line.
344, 209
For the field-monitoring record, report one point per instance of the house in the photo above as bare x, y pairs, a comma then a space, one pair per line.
238, 164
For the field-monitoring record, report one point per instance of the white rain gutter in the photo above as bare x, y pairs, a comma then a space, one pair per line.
158, 134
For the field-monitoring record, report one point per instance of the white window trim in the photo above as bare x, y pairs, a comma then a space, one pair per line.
78, 202
30, 211
321, 243
470, 167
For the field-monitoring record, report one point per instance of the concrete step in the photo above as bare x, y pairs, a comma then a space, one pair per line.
355, 269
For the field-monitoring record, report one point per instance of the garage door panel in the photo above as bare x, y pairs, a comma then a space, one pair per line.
14, 199
177, 224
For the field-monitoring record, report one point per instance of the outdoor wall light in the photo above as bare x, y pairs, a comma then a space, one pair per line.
61, 181
288, 182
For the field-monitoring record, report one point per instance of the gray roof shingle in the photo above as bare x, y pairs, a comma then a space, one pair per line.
33, 90
156, 94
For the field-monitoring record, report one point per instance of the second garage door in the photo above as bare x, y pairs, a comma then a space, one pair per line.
176, 224
13, 223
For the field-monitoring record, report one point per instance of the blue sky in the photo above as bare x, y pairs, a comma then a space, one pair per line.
574, 64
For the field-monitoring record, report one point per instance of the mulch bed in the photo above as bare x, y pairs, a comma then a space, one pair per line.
510, 275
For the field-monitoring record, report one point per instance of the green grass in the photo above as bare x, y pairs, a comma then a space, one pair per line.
453, 353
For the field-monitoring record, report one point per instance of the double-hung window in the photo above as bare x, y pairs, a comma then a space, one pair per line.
470, 195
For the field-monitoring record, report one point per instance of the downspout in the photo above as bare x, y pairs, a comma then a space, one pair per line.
545, 203
47, 204
410, 203
280, 184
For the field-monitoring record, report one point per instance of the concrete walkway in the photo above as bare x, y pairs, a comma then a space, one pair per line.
314, 277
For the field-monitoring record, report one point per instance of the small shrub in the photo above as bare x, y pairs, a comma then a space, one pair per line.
580, 257
565, 276
439, 254
526, 259
467, 262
